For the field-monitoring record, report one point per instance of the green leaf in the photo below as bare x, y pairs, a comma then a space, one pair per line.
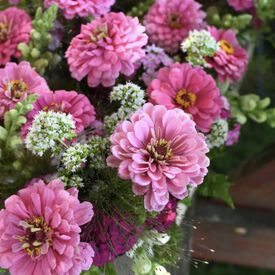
93, 271
216, 186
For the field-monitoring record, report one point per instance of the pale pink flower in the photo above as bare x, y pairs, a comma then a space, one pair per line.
168, 22
106, 47
81, 8
69, 102
161, 152
191, 89
17, 81
240, 5
230, 61
40, 231
15, 28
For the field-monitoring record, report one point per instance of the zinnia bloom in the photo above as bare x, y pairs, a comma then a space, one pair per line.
188, 88
240, 5
78, 105
168, 22
230, 61
40, 231
15, 28
106, 47
110, 236
17, 81
161, 152
81, 8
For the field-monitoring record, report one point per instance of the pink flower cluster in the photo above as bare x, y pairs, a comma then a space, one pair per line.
81, 8
161, 152
16, 83
191, 89
168, 22
40, 231
110, 236
240, 5
230, 61
15, 28
70, 102
105, 48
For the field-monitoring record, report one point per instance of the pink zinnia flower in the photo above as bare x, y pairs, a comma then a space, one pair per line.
78, 105
168, 22
17, 82
240, 5
40, 231
15, 28
14, 2
161, 152
81, 8
188, 88
106, 47
230, 61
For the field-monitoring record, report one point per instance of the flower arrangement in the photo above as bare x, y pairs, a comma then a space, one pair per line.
109, 120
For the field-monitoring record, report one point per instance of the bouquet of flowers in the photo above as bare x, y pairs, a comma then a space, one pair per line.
110, 113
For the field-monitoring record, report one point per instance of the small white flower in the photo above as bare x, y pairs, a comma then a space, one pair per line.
218, 134
161, 270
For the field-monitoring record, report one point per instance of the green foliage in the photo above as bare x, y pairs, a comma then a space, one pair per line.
141, 9
216, 186
36, 52
108, 269
265, 9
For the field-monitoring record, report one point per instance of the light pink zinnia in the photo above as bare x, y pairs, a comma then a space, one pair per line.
230, 61
81, 8
17, 81
15, 28
106, 47
78, 105
161, 152
188, 88
40, 231
240, 5
168, 22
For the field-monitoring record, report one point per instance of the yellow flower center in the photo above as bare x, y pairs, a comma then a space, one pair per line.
226, 46
160, 150
99, 33
185, 99
174, 21
37, 234
17, 88
3, 32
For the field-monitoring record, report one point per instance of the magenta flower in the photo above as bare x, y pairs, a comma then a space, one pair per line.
240, 5
161, 152
15, 28
168, 22
40, 231
105, 48
233, 135
78, 105
17, 82
230, 61
188, 88
81, 8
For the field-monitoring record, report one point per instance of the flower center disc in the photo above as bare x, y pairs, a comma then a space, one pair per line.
160, 150
3, 32
226, 46
17, 88
37, 235
185, 99
174, 21
99, 33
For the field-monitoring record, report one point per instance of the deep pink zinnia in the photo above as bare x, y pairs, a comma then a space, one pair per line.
17, 81
240, 5
81, 8
15, 28
188, 88
230, 61
161, 152
69, 102
105, 48
40, 231
168, 22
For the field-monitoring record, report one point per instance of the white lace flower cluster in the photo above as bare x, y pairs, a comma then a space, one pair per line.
71, 180
218, 134
198, 45
131, 98
48, 131
98, 150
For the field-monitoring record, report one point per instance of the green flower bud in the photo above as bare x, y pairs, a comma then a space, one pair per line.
264, 103
35, 53
248, 104
258, 116
24, 49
